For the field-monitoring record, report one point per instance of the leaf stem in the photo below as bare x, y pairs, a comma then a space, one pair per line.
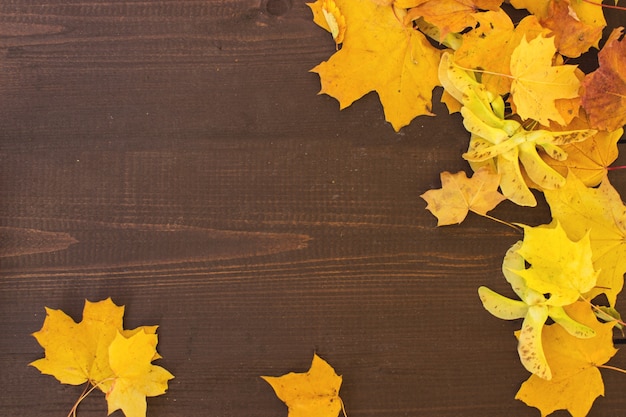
614, 368
495, 219
84, 395
616, 168
608, 6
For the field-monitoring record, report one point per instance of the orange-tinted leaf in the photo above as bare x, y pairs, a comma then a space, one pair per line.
576, 381
589, 159
489, 47
458, 195
381, 54
573, 36
604, 96
447, 15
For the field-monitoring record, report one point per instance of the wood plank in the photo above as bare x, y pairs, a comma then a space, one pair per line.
174, 155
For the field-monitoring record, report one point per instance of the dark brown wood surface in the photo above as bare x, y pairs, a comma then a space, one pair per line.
174, 155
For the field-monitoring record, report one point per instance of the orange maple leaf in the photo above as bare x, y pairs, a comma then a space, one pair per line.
573, 36
380, 53
604, 95
459, 195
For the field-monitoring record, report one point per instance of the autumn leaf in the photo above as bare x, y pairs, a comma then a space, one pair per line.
600, 213
576, 380
328, 16
537, 84
559, 266
604, 90
76, 353
447, 15
381, 54
88, 358
573, 36
588, 160
587, 11
534, 308
135, 377
488, 47
459, 195
314, 393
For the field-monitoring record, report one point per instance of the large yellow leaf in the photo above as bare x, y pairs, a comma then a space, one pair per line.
600, 213
488, 48
559, 267
381, 54
537, 84
459, 195
576, 381
135, 377
78, 352
314, 393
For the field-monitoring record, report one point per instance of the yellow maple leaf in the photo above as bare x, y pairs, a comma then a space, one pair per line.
380, 53
588, 160
135, 377
488, 47
314, 393
87, 359
600, 213
536, 84
458, 195
76, 353
576, 380
559, 267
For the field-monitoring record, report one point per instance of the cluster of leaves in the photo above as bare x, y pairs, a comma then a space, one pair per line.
534, 122
100, 352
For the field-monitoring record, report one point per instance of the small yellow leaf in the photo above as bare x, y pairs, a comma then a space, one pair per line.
135, 377
311, 394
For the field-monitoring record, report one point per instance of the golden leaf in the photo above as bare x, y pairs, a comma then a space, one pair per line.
537, 84
380, 53
458, 195
576, 381
314, 393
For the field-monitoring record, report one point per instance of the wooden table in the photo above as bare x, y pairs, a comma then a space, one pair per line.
174, 155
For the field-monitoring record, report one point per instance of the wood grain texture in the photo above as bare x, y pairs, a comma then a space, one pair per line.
174, 155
